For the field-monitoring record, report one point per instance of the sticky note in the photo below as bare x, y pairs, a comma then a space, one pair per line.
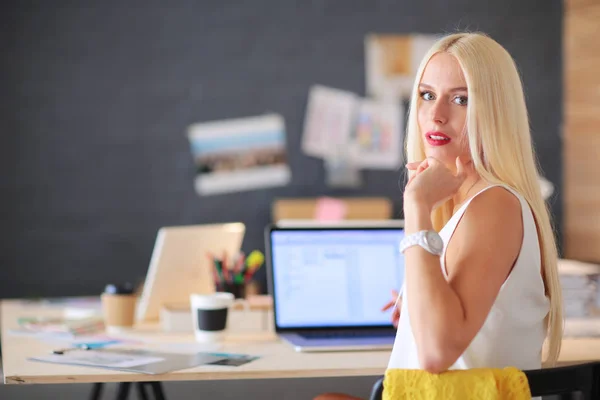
330, 209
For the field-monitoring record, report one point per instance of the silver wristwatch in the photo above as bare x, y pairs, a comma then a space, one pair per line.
429, 240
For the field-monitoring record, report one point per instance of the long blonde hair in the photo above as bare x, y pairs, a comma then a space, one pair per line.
500, 147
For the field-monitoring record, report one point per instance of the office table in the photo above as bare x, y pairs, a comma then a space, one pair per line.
277, 359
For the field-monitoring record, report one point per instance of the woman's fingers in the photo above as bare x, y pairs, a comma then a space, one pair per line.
417, 167
395, 317
413, 166
392, 302
388, 305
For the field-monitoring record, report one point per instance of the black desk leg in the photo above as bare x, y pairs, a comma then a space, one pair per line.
158, 392
123, 391
596, 383
124, 388
141, 389
96, 391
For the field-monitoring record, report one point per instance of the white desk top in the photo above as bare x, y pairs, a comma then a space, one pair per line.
278, 360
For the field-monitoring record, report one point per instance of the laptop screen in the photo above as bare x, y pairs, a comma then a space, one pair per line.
329, 278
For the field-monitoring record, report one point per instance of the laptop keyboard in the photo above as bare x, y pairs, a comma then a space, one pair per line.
348, 334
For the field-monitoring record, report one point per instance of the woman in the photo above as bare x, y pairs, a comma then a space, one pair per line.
485, 291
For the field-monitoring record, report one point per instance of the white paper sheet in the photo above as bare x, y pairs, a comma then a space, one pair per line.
99, 359
188, 348
132, 360
378, 137
328, 122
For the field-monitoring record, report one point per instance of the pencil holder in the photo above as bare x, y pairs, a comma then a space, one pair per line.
237, 289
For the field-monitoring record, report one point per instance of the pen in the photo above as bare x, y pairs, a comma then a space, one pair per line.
83, 346
224, 268
249, 272
239, 262
60, 352
236, 275
215, 274
215, 267
253, 262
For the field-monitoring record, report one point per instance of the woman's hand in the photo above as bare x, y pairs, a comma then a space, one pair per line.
433, 182
396, 303
417, 167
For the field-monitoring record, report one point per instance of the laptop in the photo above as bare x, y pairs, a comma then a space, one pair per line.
179, 265
329, 284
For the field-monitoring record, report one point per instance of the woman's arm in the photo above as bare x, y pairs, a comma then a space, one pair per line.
446, 315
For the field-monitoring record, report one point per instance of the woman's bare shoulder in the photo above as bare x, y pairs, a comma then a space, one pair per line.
495, 203
490, 226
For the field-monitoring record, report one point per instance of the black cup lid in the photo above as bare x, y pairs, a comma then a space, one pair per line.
125, 288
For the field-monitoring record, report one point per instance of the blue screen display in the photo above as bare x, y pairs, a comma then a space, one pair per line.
335, 278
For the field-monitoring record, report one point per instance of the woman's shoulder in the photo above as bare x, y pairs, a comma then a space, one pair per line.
490, 229
494, 206
499, 196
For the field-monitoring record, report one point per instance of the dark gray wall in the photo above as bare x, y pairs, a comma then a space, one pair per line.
96, 97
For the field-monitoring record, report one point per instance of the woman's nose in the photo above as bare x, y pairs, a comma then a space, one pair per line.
439, 113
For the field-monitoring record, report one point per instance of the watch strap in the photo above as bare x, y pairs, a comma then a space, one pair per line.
420, 239
411, 240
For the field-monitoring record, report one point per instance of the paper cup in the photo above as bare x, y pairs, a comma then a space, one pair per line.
209, 313
118, 311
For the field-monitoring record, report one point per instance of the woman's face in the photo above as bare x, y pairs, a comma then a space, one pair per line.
442, 110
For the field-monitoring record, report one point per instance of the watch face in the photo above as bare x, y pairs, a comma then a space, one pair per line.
434, 241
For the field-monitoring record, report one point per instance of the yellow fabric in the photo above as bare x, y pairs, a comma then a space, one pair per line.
478, 383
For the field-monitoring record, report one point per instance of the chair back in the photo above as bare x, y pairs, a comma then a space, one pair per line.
377, 390
583, 378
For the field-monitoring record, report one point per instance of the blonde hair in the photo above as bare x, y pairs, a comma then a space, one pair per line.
500, 146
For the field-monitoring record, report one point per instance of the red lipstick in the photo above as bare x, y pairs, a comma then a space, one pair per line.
435, 138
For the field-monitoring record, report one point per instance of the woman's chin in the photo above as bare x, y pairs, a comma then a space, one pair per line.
445, 157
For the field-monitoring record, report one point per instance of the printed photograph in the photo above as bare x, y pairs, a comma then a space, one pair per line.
239, 154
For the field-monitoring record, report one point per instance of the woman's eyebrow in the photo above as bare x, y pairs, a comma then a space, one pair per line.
456, 89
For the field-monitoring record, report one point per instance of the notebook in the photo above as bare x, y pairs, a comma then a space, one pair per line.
329, 284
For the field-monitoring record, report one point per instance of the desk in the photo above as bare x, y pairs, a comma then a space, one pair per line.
278, 360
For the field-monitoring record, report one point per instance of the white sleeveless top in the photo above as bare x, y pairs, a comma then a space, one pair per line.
514, 331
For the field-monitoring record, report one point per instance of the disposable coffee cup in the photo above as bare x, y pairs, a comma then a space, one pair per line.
118, 307
209, 312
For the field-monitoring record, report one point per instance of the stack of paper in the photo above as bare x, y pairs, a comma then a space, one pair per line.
579, 295
580, 288
60, 326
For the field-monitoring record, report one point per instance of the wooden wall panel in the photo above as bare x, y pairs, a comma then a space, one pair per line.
573, 4
581, 151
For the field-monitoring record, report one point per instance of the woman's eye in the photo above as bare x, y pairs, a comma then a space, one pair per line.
461, 100
427, 96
